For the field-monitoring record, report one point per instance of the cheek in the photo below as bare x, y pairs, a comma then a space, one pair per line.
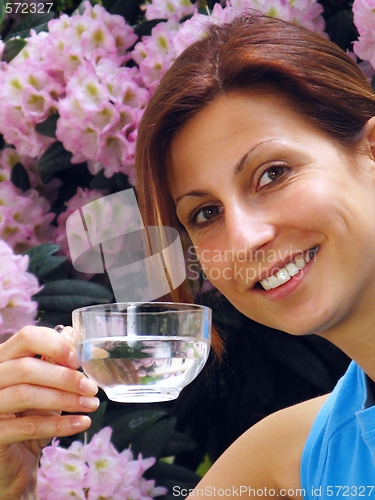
316, 206
215, 264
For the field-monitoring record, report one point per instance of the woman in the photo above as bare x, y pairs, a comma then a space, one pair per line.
259, 143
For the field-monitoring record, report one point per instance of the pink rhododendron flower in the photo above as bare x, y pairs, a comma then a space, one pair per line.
103, 106
29, 94
17, 286
9, 157
364, 20
308, 13
74, 70
122, 33
81, 198
24, 218
164, 9
114, 209
94, 471
304, 12
155, 53
195, 28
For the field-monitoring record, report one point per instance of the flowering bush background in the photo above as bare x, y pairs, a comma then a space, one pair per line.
74, 82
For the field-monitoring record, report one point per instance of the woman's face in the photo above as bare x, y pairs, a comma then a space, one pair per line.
282, 219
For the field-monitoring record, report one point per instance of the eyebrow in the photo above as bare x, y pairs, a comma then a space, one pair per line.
198, 193
241, 164
195, 193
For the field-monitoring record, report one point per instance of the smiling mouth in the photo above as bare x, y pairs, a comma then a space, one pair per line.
291, 269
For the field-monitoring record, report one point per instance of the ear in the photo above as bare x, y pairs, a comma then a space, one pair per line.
369, 138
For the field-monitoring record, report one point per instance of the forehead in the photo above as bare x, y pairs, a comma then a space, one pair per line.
229, 126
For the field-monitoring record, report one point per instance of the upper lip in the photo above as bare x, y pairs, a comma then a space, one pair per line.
266, 273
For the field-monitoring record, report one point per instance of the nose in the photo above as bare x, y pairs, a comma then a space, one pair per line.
248, 232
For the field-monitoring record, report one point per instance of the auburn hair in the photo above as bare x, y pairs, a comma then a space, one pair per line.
252, 51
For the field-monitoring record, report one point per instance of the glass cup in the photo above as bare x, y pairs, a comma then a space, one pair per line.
142, 352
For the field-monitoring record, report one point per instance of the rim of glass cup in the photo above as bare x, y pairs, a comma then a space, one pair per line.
102, 310
185, 307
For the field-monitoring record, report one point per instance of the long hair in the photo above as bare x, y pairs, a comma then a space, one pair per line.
321, 82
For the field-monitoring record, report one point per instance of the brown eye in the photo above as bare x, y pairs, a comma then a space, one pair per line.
205, 214
271, 174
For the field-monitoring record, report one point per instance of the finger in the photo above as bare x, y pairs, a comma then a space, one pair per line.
41, 428
38, 444
22, 397
33, 340
37, 372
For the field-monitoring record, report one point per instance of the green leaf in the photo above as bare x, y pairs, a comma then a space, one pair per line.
66, 295
41, 267
127, 426
12, 48
154, 441
2, 11
42, 262
38, 22
44, 250
59, 273
48, 127
55, 159
20, 177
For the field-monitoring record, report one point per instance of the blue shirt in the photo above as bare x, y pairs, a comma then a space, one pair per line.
338, 460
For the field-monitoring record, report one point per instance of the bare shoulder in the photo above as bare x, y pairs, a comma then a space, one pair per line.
268, 455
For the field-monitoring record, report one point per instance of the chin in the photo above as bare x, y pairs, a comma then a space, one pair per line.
297, 328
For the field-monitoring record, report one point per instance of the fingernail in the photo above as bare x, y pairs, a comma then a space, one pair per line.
89, 403
87, 386
73, 360
81, 422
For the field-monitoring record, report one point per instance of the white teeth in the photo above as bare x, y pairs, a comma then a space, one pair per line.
300, 262
265, 284
290, 270
273, 282
283, 276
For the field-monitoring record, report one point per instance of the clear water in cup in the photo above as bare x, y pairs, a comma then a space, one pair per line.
145, 368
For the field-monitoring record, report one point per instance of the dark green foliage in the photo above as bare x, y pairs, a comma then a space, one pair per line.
55, 159
20, 177
48, 127
37, 22
42, 261
66, 295
12, 48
